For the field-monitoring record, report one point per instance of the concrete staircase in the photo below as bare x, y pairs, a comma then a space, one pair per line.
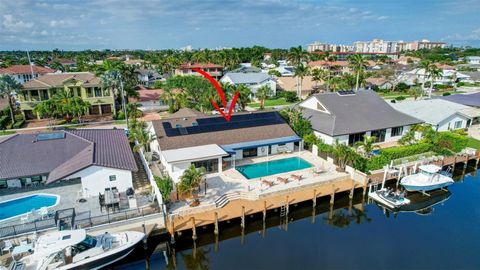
140, 178
236, 195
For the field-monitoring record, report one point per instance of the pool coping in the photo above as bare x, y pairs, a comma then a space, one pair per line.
257, 178
57, 202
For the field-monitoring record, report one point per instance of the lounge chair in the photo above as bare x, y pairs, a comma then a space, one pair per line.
25, 218
296, 177
6, 246
267, 182
318, 170
282, 179
43, 212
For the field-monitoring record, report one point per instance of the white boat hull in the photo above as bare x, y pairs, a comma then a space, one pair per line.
423, 183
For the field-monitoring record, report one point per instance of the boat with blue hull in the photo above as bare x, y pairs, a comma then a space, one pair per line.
429, 178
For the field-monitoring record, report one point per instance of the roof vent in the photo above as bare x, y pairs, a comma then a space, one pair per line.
49, 136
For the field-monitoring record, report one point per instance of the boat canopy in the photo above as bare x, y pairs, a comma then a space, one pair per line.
430, 168
57, 241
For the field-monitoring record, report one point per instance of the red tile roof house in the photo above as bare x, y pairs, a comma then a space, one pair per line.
149, 100
100, 158
214, 70
23, 73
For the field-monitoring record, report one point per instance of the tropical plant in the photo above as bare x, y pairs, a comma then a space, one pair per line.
366, 146
139, 134
300, 71
63, 104
8, 87
245, 95
111, 80
263, 93
190, 179
416, 92
358, 64
165, 185
344, 155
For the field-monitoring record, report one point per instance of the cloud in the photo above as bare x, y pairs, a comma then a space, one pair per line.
473, 35
61, 23
12, 25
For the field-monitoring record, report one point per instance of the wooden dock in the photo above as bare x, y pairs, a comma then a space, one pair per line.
240, 208
454, 161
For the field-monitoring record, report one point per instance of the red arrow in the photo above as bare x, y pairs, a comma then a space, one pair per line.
222, 95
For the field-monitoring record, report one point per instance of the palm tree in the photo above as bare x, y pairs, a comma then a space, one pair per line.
300, 71
358, 64
318, 75
366, 146
142, 137
245, 95
297, 55
190, 179
416, 92
111, 80
8, 87
262, 94
344, 154
78, 107
426, 65
433, 74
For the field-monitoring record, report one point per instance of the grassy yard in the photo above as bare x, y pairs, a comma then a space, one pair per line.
473, 143
271, 103
6, 132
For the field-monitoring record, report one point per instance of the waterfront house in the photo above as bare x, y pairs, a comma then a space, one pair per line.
441, 114
474, 60
348, 116
380, 83
82, 84
148, 77
214, 70
290, 84
251, 80
211, 142
100, 158
418, 75
25, 73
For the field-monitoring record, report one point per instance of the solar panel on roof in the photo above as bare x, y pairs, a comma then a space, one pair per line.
183, 131
346, 92
50, 136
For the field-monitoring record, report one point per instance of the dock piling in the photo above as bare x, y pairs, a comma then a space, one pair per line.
332, 196
215, 231
264, 211
242, 224
194, 229
352, 190
314, 199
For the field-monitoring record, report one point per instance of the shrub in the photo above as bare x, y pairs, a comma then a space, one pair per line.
451, 141
460, 84
165, 185
120, 115
446, 94
18, 124
400, 98
310, 140
389, 154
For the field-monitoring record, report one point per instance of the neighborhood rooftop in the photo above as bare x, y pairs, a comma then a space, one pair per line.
25, 69
60, 154
467, 99
58, 79
352, 113
192, 131
242, 77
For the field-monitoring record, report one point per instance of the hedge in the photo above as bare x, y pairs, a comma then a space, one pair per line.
451, 141
389, 154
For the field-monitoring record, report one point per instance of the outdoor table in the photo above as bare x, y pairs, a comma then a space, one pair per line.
21, 249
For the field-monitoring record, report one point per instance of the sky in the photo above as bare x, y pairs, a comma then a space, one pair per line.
161, 24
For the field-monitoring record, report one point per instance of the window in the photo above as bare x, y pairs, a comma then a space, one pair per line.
379, 135
98, 92
113, 178
89, 92
396, 131
106, 92
458, 124
251, 152
211, 165
356, 137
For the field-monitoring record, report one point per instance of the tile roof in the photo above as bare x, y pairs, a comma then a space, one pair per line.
363, 111
58, 79
25, 69
25, 155
148, 95
290, 84
199, 65
216, 130
328, 63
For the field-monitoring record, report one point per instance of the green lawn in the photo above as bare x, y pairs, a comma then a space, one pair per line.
271, 103
393, 95
6, 132
473, 143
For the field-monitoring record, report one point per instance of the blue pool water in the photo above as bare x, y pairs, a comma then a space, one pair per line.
15, 207
267, 168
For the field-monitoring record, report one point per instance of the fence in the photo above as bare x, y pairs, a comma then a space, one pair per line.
52, 223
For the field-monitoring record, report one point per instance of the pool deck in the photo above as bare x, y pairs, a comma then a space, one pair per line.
229, 191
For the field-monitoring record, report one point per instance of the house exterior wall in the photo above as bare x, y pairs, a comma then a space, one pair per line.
449, 123
96, 178
344, 138
254, 87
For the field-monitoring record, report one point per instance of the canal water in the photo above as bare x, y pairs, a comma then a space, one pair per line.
443, 236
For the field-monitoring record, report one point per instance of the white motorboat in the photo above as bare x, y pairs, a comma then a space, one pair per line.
75, 249
429, 178
389, 198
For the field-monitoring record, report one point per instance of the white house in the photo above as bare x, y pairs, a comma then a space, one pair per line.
417, 75
252, 80
475, 60
215, 144
348, 117
441, 114
100, 158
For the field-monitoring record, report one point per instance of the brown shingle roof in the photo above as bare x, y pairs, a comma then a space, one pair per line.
25, 69
199, 65
58, 79
24, 155
216, 130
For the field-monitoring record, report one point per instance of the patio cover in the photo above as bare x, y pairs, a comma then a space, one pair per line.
194, 153
244, 145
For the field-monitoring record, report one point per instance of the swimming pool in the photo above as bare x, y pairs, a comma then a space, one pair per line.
19, 206
267, 168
